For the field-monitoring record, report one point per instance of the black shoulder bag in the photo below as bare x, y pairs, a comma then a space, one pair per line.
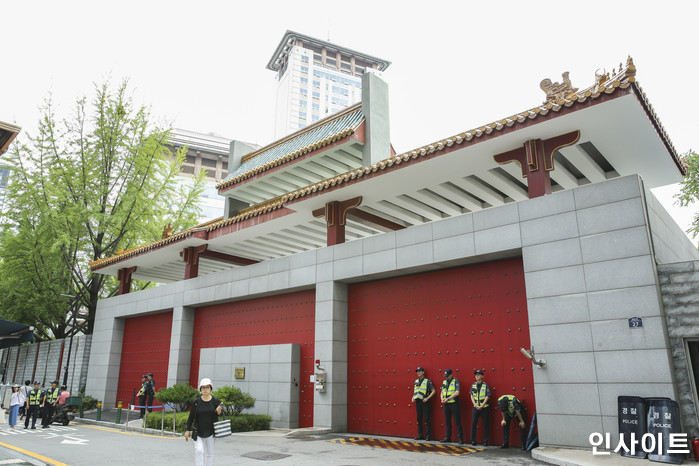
195, 435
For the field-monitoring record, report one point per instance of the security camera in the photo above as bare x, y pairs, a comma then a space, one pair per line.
529, 354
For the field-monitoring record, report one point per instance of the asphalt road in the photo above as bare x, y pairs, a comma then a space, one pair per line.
78, 445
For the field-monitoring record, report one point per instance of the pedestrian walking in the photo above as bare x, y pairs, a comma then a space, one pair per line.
16, 401
24, 389
511, 408
200, 424
422, 392
49, 402
451, 388
480, 394
32, 405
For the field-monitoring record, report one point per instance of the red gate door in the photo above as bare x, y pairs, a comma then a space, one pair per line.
145, 349
462, 319
288, 318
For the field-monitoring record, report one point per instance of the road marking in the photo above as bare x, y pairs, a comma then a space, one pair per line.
74, 441
132, 433
33, 455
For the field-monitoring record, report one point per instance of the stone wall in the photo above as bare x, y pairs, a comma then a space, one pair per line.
679, 283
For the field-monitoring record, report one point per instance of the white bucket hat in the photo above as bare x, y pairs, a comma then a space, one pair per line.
206, 382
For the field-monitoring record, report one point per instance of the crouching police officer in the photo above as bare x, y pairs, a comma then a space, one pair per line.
422, 393
511, 407
32, 405
49, 401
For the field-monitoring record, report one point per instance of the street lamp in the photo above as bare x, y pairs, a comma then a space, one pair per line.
70, 345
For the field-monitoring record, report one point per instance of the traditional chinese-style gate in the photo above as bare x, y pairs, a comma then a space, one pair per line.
145, 349
288, 318
463, 319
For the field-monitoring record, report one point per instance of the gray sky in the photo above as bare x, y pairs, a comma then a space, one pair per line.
455, 65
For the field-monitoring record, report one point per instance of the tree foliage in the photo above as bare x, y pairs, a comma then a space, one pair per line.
181, 394
85, 187
234, 400
689, 192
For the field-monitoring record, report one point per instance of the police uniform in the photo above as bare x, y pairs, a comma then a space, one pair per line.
150, 392
480, 392
451, 388
33, 403
510, 405
142, 396
422, 391
50, 399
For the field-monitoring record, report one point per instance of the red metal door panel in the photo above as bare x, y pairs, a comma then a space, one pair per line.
463, 319
145, 348
273, 320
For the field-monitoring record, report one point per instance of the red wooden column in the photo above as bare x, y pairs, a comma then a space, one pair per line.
536, 160
124, 277
190, 255
335, 213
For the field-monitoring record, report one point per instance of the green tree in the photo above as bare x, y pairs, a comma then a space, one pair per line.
234, 400
689, 192
182, 395
85, 187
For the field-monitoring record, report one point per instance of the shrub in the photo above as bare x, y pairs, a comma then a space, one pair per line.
239, 423
249, 422
234, 400
156, 420
89, 403
181, 395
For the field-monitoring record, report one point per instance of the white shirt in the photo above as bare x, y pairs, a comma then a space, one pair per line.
16, 398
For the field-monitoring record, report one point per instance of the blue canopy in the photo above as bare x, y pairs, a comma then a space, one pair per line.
13, 333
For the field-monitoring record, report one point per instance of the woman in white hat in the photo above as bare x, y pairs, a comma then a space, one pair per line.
16, 400
200, 424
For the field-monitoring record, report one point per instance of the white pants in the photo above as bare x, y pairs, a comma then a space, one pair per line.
204, 451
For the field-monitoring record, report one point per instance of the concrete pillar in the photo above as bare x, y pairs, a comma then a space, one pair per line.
180, 345
377, 145
330, 408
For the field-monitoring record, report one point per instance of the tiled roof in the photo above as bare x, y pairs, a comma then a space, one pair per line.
625, 77
297, 144
620, 80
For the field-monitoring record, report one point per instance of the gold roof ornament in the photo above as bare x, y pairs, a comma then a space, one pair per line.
557, 91
167, 231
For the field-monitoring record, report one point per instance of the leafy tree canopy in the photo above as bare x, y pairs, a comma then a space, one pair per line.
690, 187
88, 185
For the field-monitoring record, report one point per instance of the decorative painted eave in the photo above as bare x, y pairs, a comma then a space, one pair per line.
621, 83
622, 79
316, 136
8, 133
201, 231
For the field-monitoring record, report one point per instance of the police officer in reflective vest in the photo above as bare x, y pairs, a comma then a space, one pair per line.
422, 392
450, 401
150, 392
511, 407
33, 403
480, 393
49, 401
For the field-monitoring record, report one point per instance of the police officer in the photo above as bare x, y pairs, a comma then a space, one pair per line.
422, 392
511, 407
142, 397
49, 401
32, 405
150, 392
480, 393
450, 401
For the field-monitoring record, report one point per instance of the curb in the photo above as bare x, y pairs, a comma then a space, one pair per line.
124, 428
